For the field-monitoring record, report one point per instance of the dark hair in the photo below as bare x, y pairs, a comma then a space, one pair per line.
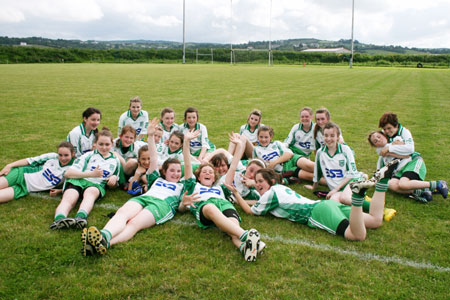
166, 110
372, 133
321, 110
270, 176
190, 110
199, 169
388, 118
218, 158
179, 135
266, 128
142, 149
104, 132
90, 111
67, 145
166, 165
330, 125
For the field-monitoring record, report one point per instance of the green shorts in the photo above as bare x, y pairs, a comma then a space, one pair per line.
161, 211
16, 180
417, 166
84, 184
299, 152
328, 214
291, 165
221, 204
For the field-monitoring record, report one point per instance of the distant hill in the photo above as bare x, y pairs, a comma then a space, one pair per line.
286, 45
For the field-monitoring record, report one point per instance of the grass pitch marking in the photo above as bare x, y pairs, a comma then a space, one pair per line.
302, 242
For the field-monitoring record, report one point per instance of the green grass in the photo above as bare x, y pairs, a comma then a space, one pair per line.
40, 104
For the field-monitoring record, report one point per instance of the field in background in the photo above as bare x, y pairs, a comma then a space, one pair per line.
407, 258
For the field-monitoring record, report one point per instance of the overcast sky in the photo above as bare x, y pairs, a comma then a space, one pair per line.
411, 23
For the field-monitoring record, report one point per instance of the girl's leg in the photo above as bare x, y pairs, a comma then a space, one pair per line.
144, 219
248, 152
89, 196
6, 193
68, 201
394, 186
128, 211
407, 184
3, 183
336, 197
345, 196
130, 166
231, 148
306, 175
305, 164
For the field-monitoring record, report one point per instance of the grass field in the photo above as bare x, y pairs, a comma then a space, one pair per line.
407, 258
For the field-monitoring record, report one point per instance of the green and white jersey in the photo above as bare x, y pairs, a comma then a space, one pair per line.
320, 141
164, 153
300, 141
252, 136
408, 147
160, 188
140, 123
335, 168
283, 202
81, 140
383, 160
110, 165
167, 133
129, 152
44, 172
244, 191
199, 142
204, 192
271, 152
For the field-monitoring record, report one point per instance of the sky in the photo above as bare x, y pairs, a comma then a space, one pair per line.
408, 23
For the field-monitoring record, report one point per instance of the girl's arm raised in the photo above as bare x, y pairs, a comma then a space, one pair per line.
239, 150
188, 136
151, 145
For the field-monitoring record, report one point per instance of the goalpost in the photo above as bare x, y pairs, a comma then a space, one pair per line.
199, 54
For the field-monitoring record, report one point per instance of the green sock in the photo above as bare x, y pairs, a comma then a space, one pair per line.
433, 185
81, 214
107, 235
357, 200
366, 206
60, 216
243, 237
384, 181
381, 187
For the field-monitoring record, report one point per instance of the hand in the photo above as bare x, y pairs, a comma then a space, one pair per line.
271, 164
55, 192
232, 188
152, 127
189, 200
331, 193
112, 181
247, 181
5, 170
140, 171
97, 172
398, 142
191, 134
235, 138
384, 151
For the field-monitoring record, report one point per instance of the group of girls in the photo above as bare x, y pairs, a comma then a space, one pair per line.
151, 158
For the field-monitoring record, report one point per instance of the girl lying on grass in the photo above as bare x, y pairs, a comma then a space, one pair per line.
207, 202
35, 174
86, 179
155, 207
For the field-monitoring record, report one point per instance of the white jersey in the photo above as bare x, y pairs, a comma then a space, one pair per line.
383, 160
335, 168
271, 152
164, 154
406, 136
252, 136
301, 141
204, 192
81, 140
165, 190
283, 202
140, 124
110, 166
131, 152
199, 142
44, 172
166, 133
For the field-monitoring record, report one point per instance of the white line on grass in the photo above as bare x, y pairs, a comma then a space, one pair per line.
323, 247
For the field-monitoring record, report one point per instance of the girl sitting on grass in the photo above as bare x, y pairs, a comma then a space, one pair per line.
35, 174
250, 131
167, 123
209, 205
136, 117
323, 117
155, 207
82, 137
87, 178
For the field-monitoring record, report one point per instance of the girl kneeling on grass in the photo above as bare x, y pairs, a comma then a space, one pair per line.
155, 207
209, 205
338, 219
35, 174
87, 178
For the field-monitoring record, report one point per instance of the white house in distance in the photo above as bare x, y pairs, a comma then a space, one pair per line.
329, 50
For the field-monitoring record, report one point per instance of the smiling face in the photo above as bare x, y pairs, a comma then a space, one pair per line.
91, 122
206, 176
321, 119
174, 143
253, 121
264, 138
64, 155
251, 170
261, 184
305, 118
191, 119
157, 136
144, 159
168, 119
221, 168
331, 137
127, 139
378, 140
103, 145
390, 130
173, 172
135, 108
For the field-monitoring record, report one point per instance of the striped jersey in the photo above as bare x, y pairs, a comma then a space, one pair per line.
110, 165
81, 140
140, 124
160, 188
166, 133
199, 142
130, 152
252, 136
300, 141
271, 152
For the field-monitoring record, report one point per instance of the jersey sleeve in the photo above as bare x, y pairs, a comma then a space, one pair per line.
145, 116
283, 148
317, 168
151, 178
80, 163
407, 148
189, 185
74, 138
352, 172
241, 130
41, 159
204, 133
291, 138
266, 203
121, 123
